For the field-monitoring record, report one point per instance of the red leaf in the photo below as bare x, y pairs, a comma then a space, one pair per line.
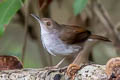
10, 62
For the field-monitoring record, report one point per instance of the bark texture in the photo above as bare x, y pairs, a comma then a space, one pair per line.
88, 72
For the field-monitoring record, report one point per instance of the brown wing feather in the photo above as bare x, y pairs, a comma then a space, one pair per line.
73, 34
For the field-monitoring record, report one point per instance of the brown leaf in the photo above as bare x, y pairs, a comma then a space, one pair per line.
10, 62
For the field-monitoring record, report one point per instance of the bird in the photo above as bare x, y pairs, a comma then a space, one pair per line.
61, 39
64, 39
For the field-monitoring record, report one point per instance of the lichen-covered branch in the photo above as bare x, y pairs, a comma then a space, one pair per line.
88, 72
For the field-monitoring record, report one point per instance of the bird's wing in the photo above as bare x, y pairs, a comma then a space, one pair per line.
73, 34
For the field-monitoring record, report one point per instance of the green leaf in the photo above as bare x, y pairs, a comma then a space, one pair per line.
8, 8
79, 5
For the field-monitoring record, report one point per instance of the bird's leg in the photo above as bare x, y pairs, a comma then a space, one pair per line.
56, 66
75, 66
81, 58
72, 69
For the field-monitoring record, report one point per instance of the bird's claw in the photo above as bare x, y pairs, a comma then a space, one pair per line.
72, 69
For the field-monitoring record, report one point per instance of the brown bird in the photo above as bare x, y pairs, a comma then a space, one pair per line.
60, 39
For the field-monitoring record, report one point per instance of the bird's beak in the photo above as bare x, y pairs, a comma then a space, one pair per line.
38, 19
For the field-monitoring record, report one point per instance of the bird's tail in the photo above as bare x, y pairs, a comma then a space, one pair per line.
97, 37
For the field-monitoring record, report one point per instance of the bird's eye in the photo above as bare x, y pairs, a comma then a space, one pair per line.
48, 23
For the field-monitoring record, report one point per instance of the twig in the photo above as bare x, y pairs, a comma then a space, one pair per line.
104, 17
25, 36
43, 5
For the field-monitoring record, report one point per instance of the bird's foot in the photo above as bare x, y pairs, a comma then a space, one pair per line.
72, 69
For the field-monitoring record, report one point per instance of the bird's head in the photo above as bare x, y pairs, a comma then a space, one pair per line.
46, 24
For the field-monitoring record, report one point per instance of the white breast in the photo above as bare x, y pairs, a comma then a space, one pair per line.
55, 46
